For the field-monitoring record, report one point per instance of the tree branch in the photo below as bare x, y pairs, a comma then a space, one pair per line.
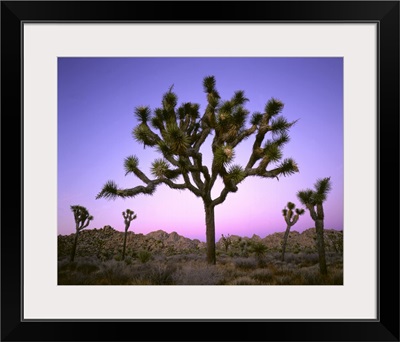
224, 193
190, 186
245, 134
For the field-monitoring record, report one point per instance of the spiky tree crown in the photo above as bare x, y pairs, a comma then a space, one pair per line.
289, 215
129, 216
81, 216
317, 196
313, 199
178, 132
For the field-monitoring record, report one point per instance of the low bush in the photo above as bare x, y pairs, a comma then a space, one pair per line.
192, 269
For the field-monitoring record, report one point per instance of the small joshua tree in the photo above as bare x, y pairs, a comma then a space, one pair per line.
227, 241
290, 221
82, 220
313, 200
129, 216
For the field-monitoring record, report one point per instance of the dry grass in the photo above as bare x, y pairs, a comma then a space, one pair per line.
192, 269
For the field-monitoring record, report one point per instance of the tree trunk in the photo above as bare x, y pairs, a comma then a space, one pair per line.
210, 233
285, 237
74, 246
319, 227
123, 248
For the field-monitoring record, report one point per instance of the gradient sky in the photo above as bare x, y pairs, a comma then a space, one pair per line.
96, 101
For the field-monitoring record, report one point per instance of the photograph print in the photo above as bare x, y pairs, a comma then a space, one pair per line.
200, 171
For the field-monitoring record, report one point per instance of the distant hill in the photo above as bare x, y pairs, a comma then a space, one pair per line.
107, 242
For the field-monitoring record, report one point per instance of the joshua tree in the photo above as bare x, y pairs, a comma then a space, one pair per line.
178, 133
227, 241
82, 220
290, 221
313, 200
129, 216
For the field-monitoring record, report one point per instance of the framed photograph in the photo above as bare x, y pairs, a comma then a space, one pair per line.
191, 163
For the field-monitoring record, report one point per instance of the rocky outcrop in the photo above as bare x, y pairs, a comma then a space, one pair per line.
106, 243
297, 242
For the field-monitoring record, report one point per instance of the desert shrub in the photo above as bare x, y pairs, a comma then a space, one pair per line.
114, 272
224, 260
73, 279
311, 277
128, 260
286, 279
87, 268
284, 269
245, 263
91, 271
245, 280
308, 259
66, 265
144, 256
161, 274
184, 258
201, 274
263, 276
291, 258
111, 277
274, 257
302, 259
262, 263
118, 257
335, 258
335, 276
233, 253
258, 249
192, 269
244, 248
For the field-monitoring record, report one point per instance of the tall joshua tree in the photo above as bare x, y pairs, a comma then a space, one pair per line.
178, 133
313, 200
290, 221
82, 220
129, 216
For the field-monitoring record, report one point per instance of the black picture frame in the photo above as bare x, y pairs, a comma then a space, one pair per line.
15, 13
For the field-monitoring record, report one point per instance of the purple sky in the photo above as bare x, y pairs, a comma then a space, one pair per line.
96, 100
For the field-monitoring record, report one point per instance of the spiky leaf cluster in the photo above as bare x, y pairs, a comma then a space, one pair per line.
316, 196
176, 140
256, 118
291, 205
142, 113
280, 125
236, 174
142, 134
273, 107
223, 155
169, 101
288, 167
131, 164
159, 168
109, 190
272, 151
